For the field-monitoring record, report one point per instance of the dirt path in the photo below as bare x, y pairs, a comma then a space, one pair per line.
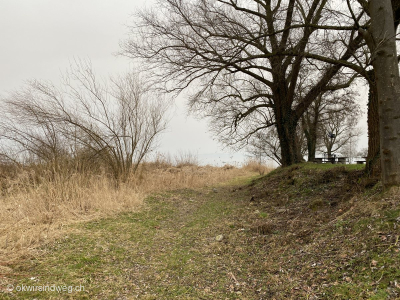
307, 234
170, 250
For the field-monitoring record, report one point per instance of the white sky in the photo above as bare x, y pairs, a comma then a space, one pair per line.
40, 37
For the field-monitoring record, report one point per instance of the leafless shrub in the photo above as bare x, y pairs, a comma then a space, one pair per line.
113, 123
186, 159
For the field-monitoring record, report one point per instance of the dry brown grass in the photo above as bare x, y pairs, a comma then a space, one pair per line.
37, 208
34, 212
255, 166
188, 177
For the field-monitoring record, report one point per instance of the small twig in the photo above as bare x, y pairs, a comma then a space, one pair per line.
377, 282
234, 278
393, 245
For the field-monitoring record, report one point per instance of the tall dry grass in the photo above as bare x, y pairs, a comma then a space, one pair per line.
252, 165
35, 208
38, 206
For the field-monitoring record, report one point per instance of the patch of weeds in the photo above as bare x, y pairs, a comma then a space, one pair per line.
380, 295
331, 175
340, 225
392, 215
345, 291
318, 203
362, 225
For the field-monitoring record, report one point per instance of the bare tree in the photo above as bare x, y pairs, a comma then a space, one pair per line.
118, 122
330, 112
244, 59
350, 149
30, 131
265, 145
339, 128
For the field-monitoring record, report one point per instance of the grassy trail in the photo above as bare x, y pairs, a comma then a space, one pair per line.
299, 233
167, 251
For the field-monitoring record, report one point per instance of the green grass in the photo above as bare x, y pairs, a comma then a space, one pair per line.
314, 166
310, 233
158, 253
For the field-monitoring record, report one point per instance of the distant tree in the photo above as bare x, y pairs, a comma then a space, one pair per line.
328, 105
362, 152
350, 149
339, 128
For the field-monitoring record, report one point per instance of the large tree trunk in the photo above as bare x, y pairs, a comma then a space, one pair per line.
329, 150
311, 137
383, 46
286, 123
310, 132
373, 165
299, 144
287, 136
311, 147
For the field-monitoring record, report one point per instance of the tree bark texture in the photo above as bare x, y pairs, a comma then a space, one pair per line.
311, 146
310, 122
286, 129
383, 47
373, 165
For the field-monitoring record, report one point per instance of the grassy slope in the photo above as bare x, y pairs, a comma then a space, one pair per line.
311, 232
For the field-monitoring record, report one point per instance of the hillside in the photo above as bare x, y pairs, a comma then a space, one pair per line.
304, 232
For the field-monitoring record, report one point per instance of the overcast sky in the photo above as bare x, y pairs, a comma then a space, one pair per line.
40, 38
